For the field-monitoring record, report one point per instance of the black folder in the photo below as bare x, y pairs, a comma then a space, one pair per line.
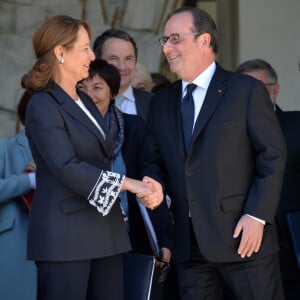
153, 241
293, 220
138, 275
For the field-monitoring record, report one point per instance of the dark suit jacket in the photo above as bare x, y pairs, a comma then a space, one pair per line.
70, 154
142, 100
132, 156
234, 166
134, 133
290, 194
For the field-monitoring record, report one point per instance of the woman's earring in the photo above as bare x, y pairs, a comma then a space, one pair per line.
62, 61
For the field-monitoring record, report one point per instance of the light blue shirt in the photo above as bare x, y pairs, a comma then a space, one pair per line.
126, 102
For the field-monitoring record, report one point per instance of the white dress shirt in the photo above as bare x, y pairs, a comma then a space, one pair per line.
199, 93
126, 102
83, 107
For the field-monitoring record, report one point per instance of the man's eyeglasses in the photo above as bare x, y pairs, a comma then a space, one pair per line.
174, 38
270, 84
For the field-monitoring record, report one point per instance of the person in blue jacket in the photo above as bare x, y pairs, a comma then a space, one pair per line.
18, 275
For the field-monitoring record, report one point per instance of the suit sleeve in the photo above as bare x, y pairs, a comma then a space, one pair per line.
269, 145
152, 167
151, 160
49, 136
163, 225
13, 186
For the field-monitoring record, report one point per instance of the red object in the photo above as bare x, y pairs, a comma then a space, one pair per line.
27, 198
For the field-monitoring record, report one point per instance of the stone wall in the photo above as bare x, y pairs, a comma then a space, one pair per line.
19, 19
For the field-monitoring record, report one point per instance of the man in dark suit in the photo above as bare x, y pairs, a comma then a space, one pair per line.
224, 176
118, 48
290, 194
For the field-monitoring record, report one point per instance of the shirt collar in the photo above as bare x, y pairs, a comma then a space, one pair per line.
128, 94
203, 79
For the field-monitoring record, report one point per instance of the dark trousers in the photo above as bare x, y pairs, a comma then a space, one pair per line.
291, 289
167, 290
254, 279
94, 279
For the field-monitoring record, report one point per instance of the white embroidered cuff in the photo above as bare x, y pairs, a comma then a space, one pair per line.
106, 191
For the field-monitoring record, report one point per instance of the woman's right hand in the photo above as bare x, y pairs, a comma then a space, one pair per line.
136, 186
149, 190
155, 198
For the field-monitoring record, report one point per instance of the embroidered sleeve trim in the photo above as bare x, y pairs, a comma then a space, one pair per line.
106, 191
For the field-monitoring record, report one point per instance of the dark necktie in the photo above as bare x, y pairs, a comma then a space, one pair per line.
187, 114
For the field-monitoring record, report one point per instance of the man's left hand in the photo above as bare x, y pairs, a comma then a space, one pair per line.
252, 234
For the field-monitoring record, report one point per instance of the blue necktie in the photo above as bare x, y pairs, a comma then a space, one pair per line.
187, 114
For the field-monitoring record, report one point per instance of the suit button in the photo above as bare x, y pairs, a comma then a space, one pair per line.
105, 160
188, 173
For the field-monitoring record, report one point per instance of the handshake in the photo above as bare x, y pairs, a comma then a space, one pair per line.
148, 190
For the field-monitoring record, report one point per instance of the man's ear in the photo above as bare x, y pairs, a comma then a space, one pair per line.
204, 40
276, 90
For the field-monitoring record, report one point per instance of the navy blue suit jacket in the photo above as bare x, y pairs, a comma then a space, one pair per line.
70, 154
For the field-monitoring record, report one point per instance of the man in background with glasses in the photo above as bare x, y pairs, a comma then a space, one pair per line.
215, 144
290, 193
264, 72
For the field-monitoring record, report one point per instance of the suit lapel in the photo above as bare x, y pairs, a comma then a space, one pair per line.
109, 143
174, 116
280, 115
71, 108
213, 96
141, 102
138, 103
